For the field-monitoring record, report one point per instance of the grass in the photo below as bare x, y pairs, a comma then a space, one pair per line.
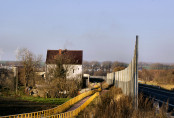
56, 101
10, 103
23, 97
164, 86
108, 106
161, 78
27, 104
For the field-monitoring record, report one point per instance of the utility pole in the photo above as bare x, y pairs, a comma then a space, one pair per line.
136, 74
16, 79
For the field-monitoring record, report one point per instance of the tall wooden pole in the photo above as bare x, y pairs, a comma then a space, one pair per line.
16, 78
136, 73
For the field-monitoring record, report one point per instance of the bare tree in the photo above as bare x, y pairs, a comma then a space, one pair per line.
159, 66
100, 73
58, 80
146, 75
107, 65
30, 64
62, 65
86, 64
118, 64
7, 79
118, 68
95, 64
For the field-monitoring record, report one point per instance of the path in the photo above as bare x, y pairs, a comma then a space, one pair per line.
76, 105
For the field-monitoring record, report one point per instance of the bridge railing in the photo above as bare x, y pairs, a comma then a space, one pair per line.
75, 112
52, 111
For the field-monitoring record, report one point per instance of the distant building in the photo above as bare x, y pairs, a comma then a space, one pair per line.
74, 65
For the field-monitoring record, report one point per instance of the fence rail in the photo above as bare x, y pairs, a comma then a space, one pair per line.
75, 112
49, 112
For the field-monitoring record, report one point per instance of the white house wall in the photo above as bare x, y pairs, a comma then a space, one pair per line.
73, 71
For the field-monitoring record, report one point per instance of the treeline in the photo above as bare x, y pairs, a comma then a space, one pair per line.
96, 68
155, 66
102, 68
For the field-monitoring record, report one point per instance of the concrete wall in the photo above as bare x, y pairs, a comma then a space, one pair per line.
127, 79
110, 78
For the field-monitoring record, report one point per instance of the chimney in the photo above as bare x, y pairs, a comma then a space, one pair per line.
60, 51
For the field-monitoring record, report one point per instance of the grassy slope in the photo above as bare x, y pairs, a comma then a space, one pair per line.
108, 106
164, 86
11, 104
56, 101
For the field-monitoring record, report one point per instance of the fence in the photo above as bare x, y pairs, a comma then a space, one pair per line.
127, 79
75, 112
52, 111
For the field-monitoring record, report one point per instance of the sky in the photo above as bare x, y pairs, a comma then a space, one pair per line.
104, 29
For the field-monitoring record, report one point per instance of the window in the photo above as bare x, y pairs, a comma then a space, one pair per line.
73, 70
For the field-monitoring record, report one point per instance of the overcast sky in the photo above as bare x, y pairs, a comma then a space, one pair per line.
103, 29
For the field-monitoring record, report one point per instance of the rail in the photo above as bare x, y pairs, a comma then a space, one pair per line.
49, 112
75, 112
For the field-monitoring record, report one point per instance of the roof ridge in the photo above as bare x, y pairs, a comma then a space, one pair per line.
63, 50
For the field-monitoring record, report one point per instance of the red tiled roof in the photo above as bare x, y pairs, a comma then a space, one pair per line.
75, 55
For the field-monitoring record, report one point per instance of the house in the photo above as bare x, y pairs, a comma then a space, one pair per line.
72, 61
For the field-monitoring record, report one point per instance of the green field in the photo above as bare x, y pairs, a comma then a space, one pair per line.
26, 104
55, 101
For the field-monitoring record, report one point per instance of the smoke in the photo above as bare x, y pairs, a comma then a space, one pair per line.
67, 44
16, 52
1, 53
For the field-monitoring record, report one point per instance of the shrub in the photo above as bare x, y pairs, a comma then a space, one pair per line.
159, 76
106, 106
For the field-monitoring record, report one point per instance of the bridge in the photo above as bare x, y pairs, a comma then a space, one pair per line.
93, 79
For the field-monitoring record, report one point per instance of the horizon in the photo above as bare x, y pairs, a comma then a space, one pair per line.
101, 62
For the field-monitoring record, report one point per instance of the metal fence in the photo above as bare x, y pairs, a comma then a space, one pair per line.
75, 112
56, 110
127, 79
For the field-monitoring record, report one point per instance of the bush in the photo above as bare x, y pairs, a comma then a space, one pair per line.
7, 80
62, 88
107, 106
159, 76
